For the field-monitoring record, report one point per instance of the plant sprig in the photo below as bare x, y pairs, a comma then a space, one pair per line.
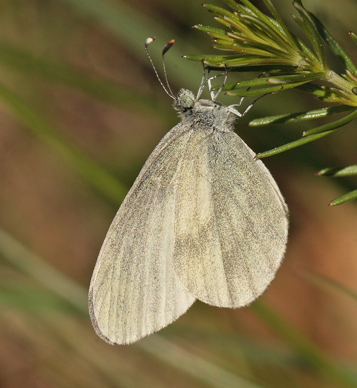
253, 40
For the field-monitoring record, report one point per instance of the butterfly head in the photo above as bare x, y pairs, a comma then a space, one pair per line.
184, 101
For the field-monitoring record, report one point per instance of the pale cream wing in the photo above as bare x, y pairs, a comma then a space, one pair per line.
231, 223
134, 290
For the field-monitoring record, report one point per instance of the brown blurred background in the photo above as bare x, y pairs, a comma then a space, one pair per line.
80, 112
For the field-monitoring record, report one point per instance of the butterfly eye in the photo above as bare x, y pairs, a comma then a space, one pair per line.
186, 101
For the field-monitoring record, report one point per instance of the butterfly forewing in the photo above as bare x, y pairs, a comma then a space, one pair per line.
134, 290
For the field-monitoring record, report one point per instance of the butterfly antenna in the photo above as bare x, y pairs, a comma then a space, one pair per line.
164, 51
168, 89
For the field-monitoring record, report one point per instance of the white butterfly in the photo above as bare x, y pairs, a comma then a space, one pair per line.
203, 220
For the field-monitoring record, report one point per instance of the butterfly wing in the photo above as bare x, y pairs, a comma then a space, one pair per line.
231, 222
134, 290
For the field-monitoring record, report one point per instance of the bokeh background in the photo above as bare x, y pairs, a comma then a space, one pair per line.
80, 111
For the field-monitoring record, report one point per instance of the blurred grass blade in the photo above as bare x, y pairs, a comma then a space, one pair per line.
32, 265
337, 172
352, 195
335, 47
300, 116
332, 126
212, 375
328, 368
99, 178
102, 89
132, 26
29, 298
294, 144
328, 284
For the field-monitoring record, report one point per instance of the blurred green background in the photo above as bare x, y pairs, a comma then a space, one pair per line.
80, 111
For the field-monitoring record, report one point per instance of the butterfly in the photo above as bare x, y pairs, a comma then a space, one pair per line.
203, 220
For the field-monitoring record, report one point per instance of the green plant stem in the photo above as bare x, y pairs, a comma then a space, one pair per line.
340, 82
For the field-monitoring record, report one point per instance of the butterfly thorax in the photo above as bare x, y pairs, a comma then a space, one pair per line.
207, 112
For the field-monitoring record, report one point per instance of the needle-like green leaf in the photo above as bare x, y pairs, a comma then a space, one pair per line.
300, 116
335, 47
353, 36
335, 124
337, 172
351, 196
271, 89
311, 31
293, 144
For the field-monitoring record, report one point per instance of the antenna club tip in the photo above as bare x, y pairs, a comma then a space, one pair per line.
168, 46
149, 40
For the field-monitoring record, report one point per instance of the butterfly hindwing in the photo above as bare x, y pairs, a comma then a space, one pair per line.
233, 219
